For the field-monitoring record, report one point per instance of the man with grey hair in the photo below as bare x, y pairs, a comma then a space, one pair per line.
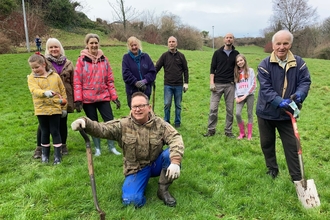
176, 78
283, 78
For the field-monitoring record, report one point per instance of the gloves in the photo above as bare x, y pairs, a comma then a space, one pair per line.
78, 106
185, 87
141, 85
49, 93
173, 171
117, 102
212, 88
296, 97
77, 124
285, 103
64, 113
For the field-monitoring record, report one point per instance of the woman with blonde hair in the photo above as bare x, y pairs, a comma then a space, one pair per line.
138, 70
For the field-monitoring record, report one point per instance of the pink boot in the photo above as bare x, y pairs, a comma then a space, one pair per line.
249, 127
241, 130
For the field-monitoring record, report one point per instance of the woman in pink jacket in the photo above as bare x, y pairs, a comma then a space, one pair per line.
94, 86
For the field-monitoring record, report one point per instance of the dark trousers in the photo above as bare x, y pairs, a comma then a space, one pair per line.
50, 125
268, 142
103, 107
63, 131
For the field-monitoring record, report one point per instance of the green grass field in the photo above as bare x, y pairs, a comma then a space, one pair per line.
221, 178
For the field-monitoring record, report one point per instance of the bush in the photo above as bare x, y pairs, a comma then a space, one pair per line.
268, 47
5, 44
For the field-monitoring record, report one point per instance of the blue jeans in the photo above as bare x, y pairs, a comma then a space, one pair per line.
135, 184
169, 92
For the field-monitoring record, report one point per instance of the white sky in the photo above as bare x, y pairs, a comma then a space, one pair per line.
243, 18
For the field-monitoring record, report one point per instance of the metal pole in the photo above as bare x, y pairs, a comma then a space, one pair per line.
26, 30
213, 37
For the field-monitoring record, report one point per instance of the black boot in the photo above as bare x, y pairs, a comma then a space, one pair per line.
163, 192
45, 154
57, 155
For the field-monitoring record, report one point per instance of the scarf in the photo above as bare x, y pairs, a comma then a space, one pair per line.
137, 60
94, 58
58, 63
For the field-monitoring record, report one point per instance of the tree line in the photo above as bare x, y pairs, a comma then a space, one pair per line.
311, 38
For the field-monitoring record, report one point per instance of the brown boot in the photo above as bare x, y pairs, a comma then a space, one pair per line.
163, 192
64, 149
37, 152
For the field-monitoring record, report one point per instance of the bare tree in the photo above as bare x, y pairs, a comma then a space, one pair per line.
294, 15
123, 13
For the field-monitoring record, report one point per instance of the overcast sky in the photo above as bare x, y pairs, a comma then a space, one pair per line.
242, 18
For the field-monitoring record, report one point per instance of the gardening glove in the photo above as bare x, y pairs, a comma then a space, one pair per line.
185, 87
285, 103
117, 102
49, 93
212, 88
77, 124
64, 113
141, 83
173, 171
78, 106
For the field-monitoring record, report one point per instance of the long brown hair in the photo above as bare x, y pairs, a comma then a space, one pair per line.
237, 70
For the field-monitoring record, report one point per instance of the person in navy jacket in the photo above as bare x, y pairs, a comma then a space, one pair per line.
138, 70
282, 76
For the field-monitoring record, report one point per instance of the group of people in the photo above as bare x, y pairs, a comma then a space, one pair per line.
142, 134
58, 88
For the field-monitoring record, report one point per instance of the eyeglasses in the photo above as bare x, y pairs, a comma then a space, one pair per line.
135, 107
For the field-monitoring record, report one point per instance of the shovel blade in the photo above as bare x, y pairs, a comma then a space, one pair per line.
307, 195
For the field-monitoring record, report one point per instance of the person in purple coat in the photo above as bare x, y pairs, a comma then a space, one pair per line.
138, 70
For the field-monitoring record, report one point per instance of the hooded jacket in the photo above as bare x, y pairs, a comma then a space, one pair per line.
93, 79
38, 85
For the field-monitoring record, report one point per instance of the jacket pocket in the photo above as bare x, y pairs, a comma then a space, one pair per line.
129, 147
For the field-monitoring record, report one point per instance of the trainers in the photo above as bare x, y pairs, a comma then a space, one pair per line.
209, 133
37, 153
272, 172
64, 149
230, 135
177, 125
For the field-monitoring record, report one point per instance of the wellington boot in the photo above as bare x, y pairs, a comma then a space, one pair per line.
97, 144
45, 154
249, 127
57, 155
163, 192
111, 147
241, 130
37, 152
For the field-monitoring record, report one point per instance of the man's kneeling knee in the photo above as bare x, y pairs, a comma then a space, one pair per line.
137, 201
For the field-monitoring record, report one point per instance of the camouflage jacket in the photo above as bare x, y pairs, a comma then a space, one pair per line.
141, 144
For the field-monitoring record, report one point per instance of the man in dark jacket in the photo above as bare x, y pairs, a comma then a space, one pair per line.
222, 82
176, 78
280, 75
